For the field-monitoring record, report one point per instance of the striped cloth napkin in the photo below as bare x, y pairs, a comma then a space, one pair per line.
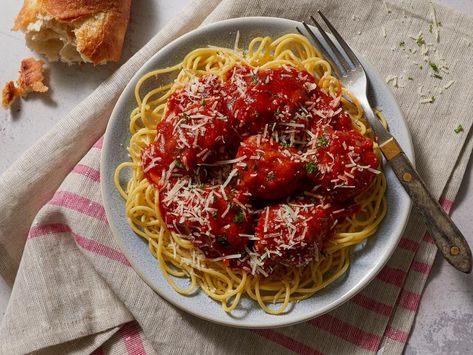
75, 291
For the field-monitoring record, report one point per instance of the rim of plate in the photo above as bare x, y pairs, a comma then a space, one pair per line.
275, 320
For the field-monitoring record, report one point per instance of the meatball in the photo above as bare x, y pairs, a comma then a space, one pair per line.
217, 220
267, 170
195, 130
256, 97
341, 163
292, 234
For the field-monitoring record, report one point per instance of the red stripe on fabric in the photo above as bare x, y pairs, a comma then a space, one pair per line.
98, 351
420, 267
130, 335
408, 244
409, 300
392, 276
79, 203
87, 171
372, 305
446, 204
99, 143
428, 238
46, 229
396, 334
285, 341
84, 242
347, 332
100, 249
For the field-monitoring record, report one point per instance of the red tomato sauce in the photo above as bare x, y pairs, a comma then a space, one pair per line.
258, 168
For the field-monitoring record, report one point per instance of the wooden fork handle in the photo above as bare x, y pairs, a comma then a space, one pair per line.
447, 236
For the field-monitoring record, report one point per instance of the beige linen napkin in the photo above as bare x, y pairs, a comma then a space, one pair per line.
75, 291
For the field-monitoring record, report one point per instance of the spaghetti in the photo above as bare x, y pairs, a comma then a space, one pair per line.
156, 204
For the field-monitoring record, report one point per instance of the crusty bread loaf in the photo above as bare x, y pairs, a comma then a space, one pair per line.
75, 30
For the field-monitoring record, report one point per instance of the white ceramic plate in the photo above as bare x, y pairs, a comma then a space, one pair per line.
366, 261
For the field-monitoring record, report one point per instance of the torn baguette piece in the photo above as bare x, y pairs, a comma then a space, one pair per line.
30, 79
75, 31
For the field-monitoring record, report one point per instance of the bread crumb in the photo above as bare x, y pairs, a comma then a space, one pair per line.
30, 80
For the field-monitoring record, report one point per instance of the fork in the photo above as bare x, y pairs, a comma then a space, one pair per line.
445, 233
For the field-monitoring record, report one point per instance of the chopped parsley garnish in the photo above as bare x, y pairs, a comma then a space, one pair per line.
402, 44
285, 144
410, 78
178, 163
421, 67
434, 67
203, 102
322, 141
239, 217
432, 99
458, 129
431, 26
420, 40
311, 167
270, 176
223, 240
254, 79
437, 76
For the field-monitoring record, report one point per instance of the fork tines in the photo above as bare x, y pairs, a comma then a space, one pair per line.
345, 63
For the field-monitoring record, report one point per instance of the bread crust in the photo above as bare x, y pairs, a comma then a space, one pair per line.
30, 80
99, 26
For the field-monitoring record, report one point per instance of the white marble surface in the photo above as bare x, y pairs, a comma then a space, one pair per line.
444, 323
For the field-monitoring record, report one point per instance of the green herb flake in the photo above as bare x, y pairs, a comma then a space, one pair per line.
459, 129
420, 40
178, 164
239, 217
254, 79
223, 240
285, 144
432, 99
431, 26
322, 141
311, 167
438, 76
421, 67
410, 78
203, 102
402, 44
270, 176
434, 67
